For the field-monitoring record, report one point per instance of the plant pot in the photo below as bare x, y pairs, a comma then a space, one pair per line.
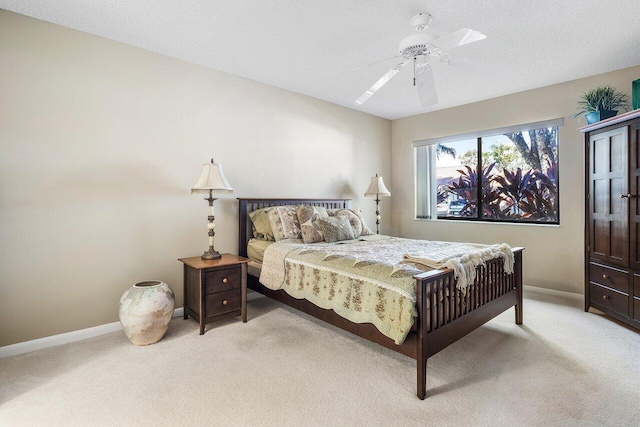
596, 116
145, 311
607, 114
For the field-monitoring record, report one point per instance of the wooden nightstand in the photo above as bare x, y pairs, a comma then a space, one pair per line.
215, 289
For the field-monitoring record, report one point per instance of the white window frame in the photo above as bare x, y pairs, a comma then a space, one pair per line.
429, 211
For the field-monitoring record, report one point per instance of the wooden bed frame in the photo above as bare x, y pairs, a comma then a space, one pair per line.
447, 318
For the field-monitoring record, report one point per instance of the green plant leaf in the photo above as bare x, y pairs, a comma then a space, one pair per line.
602, 98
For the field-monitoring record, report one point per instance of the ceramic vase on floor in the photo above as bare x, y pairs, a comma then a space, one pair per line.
146, 309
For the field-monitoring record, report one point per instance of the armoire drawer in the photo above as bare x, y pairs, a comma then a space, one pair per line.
608, 299
636, 285
609, 277
636, 309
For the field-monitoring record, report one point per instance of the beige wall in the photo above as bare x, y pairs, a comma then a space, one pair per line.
554, 254
100, 143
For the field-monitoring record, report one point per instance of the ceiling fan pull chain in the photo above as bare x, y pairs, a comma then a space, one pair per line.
414, 71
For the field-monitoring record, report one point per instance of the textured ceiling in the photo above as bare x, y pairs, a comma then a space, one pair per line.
309, 46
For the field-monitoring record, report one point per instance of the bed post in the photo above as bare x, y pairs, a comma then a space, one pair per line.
518, 284
421, 341
242, 229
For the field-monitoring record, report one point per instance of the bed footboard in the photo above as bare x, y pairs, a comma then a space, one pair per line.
446, 314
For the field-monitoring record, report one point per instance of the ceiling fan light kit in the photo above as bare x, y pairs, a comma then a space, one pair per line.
421, 48
418, 44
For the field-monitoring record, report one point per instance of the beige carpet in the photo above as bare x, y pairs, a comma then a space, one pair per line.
563, 367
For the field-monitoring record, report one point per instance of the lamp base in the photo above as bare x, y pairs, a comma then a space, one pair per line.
211, 254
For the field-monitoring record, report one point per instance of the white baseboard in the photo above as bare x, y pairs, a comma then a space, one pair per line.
55, 340
553, 292
68, 337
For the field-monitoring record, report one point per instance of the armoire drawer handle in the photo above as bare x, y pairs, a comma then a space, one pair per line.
225, 302
605, 277
225, 280
626, 196
605, 297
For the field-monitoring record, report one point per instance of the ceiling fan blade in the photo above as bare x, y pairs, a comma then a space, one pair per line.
372, 63
426, 86
458, 38
381, 82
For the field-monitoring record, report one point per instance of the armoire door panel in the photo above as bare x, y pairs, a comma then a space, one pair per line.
599, 155
599, 239
608, 181
634, 185
618, 242
599, 196
618, 205
634, 230
634, 190
618, 149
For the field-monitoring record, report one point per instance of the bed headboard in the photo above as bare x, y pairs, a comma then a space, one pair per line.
247, 205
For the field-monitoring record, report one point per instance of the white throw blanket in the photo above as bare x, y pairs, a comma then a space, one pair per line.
462, 258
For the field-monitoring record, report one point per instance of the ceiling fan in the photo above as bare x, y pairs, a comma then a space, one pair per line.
420, 49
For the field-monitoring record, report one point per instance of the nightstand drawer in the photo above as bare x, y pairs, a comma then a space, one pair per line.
609, 299
609, 277
223, 302
223, 280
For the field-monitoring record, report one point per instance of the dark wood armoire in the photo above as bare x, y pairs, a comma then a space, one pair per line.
612, 217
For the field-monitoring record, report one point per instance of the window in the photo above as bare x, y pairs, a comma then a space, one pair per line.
503, 175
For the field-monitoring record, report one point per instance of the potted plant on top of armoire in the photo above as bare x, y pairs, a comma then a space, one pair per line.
601, 103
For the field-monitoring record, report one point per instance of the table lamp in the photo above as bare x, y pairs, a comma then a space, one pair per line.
211, 181
377, 189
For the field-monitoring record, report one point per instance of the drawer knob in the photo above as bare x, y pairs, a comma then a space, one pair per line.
225, 302
225, 280
605, 297
605, 277
626, 196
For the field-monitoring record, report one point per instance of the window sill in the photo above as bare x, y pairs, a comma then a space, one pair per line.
517, 224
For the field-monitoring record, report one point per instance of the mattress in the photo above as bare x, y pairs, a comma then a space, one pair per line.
254, 268
256, 248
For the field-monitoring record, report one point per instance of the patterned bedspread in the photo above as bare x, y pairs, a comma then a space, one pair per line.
369, 280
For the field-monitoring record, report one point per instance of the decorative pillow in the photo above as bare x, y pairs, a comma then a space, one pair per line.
355, 222
309, 226
355, 219
284, 223
336, 228
261, 225
365, 228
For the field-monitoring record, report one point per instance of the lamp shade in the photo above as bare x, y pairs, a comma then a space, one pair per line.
211, 179
377, 188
